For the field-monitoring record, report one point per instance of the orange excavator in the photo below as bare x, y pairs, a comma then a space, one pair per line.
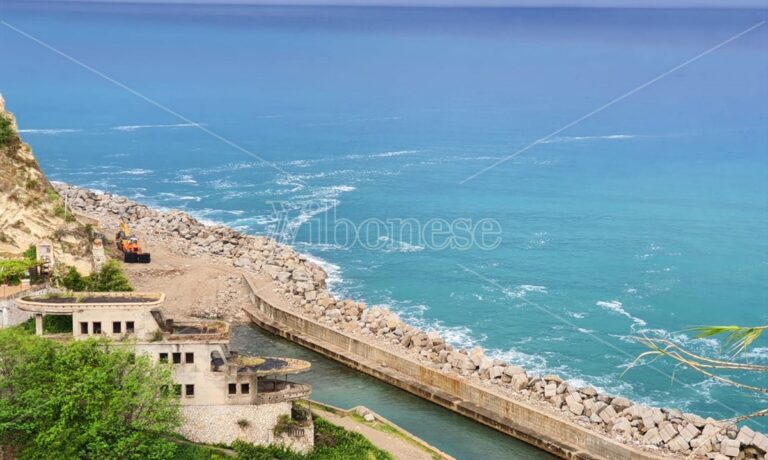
129, 245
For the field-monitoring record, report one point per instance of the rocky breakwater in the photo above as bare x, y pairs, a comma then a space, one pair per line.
665, 431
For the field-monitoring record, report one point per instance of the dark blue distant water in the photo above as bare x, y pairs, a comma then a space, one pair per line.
648, 217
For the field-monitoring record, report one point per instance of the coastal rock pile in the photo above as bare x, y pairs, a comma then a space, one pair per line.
302, 283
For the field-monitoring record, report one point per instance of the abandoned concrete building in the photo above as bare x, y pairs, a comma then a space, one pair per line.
224, 396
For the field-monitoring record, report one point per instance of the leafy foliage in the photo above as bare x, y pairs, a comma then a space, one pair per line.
83, 399
188, 451
13, 270
331, 443
7, 133
74, 281
719, 369
737, 338
52, 324
31, 252
110, 278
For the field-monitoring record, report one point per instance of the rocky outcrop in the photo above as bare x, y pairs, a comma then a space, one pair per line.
302, 283
30, 209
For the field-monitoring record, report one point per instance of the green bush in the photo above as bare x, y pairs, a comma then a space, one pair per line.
31, 252
13, 270
110, 278
188, 451
52, 324
83, 399
331, 443
74, 281
7, 134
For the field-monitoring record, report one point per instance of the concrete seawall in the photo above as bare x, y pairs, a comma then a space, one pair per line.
522, 421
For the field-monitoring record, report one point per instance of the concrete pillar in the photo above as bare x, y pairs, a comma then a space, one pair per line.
39, 323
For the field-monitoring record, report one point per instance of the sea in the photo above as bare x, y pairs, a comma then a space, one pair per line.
549, 184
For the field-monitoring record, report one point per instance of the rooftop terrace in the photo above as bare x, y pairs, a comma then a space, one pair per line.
67, 302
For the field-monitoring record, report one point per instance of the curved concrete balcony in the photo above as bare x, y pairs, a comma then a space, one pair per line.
268, 366
78, 301
274, 391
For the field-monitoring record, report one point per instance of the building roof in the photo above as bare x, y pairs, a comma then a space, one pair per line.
70, 301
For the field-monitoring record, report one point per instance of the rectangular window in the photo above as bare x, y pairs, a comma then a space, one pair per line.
163, 357
97, 327
177, 389
84, 328
189, 358
189, 389
232, 388
245, 388
129, 327
177, 358
116, 327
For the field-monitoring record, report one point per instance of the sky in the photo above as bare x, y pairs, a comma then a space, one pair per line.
497, 3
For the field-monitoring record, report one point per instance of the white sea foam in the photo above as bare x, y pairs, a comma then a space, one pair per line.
395, 153
137, 172
609, 137
302, 208
334, 278
391, 245
50, 131
756, 354
523, 290
182, 179
534, 364
168, 196
129, 128
617, 307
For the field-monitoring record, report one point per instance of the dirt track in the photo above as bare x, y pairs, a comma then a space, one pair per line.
193, 287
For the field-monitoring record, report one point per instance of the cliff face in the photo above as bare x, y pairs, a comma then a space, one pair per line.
30, 208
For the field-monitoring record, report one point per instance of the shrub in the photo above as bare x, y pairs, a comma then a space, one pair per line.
13, 270
83, 399
7, 133
52, 324
74, 281
331, 442
110, 278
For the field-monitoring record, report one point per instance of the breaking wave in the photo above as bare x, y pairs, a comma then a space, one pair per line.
609, 137
49, 132
129, 128
617, 307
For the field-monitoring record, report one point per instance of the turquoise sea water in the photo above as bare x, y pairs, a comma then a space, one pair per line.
648, 217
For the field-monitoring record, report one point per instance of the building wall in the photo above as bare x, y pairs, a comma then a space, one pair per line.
143, 322
10, 314
210, 387
219, 424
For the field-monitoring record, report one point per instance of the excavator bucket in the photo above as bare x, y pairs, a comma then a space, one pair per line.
134, 258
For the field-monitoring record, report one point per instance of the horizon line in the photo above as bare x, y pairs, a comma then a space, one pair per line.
437, 4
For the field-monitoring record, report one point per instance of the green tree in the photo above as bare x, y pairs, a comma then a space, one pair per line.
83, 400
74, 281
110, 278
12, 270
